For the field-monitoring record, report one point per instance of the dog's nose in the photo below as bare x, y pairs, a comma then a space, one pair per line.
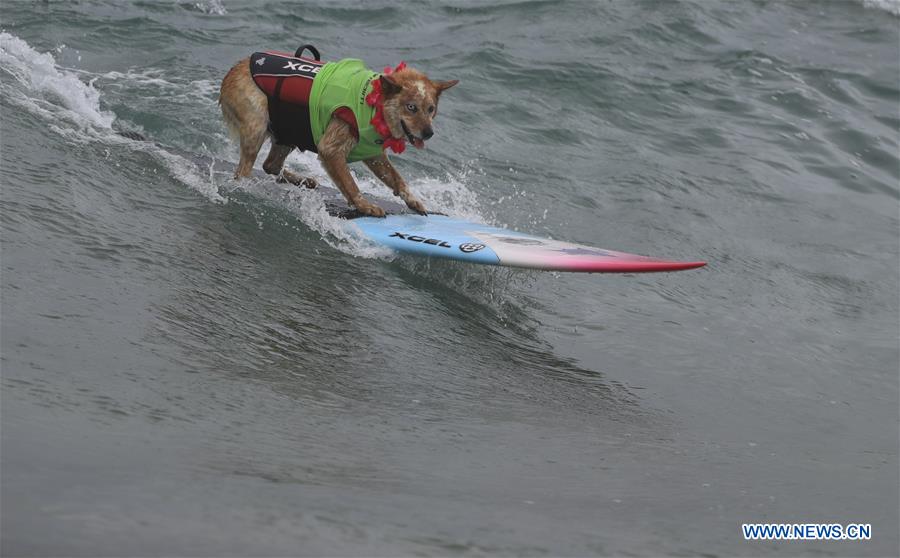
427, 133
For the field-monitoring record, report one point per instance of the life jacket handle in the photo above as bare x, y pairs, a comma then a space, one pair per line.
312, 49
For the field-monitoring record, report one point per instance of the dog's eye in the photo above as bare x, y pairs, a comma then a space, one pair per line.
431, 109
411, 107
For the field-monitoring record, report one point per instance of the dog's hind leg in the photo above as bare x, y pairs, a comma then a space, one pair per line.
274, 164
251, 143
245, 109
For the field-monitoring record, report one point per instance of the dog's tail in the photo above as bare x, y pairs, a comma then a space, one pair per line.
229, 114
231, 120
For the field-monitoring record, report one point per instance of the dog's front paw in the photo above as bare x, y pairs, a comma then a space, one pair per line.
416, 205
368, 208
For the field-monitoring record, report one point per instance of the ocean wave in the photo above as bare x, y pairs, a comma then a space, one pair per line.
154, 78
212, 7
892, 6
49, 90
73, 108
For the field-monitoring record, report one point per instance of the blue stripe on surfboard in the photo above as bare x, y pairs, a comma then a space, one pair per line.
435, 235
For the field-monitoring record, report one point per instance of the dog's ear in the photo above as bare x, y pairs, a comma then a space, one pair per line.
389, 85
441, 85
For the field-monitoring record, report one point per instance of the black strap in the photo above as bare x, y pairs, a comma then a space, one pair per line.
276, 94
312, 49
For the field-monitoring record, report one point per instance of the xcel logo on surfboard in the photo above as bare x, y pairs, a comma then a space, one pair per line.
470, 247
422, 239
466, 247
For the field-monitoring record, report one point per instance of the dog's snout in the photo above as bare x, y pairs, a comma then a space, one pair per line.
427, 133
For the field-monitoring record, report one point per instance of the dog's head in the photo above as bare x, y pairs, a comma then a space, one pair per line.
411, 103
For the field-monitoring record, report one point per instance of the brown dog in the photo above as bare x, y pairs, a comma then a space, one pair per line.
340, 110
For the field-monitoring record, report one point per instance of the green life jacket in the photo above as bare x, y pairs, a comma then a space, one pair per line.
345, 84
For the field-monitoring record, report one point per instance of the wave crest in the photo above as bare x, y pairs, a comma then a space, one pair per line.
58, 93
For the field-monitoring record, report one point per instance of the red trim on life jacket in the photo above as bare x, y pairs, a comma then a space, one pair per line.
345, 114
285, 83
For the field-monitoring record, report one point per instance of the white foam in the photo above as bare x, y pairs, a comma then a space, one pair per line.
187, 173
204, 89
892, 6
55, 93
60, 97
445, 195
309, 207
212, 7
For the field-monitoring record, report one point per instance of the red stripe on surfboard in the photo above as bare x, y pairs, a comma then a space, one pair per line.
629, 266
625, 265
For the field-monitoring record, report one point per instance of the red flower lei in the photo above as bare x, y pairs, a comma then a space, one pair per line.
375, 99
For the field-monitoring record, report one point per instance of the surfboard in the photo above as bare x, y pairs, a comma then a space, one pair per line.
443, 236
